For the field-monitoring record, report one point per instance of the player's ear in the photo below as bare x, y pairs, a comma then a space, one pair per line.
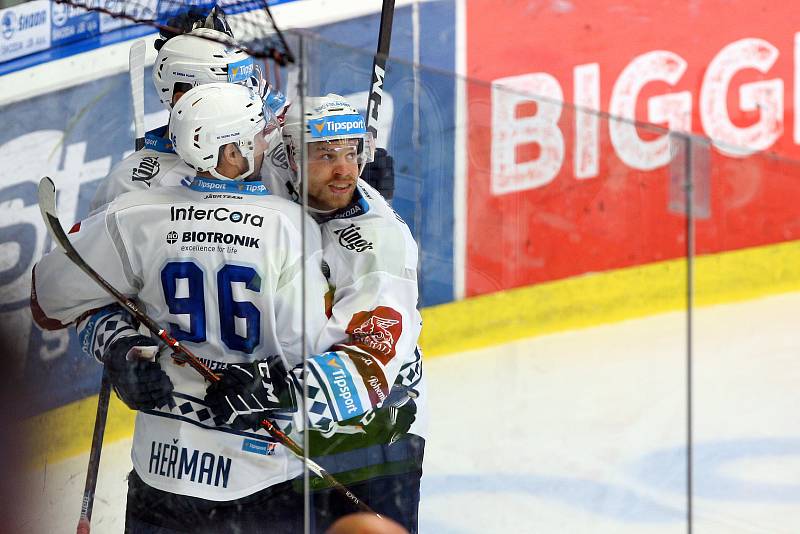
229, 154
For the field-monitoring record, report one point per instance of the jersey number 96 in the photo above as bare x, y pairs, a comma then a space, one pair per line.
194, 305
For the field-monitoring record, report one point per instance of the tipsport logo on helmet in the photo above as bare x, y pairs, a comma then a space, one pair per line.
339, 125
241, 70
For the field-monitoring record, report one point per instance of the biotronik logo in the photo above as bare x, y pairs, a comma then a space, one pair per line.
172, 237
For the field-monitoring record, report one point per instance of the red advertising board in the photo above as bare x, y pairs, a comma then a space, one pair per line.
553, 191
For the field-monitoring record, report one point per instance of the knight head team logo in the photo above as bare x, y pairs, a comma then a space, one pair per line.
378, 330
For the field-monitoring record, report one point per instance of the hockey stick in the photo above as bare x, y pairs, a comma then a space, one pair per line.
281, 57
379, 66
136, 71
47, 205
84, 523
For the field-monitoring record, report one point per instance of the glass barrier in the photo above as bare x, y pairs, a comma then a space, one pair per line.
606, 312
563, 370
745, 440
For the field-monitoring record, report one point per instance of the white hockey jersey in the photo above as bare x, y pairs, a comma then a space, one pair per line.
154, 166
220, 263
157, 165
375, 324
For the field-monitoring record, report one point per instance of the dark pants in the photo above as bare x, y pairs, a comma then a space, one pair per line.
385, 477
394, 496
274, 510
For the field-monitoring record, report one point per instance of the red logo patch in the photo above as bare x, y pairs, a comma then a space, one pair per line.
75, 228
377, 330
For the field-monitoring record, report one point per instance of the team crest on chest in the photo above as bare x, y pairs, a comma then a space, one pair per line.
351, 239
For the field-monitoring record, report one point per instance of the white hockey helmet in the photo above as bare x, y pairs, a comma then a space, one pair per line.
326, 118
199, 57
213, 115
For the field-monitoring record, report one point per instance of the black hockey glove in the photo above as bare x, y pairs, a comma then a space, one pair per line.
394, 418
379, 173
139, 381
247, 392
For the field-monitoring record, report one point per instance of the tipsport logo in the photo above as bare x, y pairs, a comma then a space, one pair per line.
338, 125
241, 70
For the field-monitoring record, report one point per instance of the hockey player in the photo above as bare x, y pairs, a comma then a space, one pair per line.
221, 261
374, 326
202, 56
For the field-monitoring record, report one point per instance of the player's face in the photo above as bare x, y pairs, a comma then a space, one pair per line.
332, 173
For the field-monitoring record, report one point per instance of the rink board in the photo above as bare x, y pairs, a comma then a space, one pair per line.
555, 192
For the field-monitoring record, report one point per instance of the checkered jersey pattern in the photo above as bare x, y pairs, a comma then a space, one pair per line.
320, 415
411, 372
195, 411
99, 330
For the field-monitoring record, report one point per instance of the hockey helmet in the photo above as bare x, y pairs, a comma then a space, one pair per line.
216, 114
325, 118
199, 57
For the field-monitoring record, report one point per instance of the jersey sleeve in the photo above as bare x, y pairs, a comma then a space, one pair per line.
373, 328
61, 292
298, 327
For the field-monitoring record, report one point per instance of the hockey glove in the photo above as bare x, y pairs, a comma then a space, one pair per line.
247, 392
138, 380
393, 419
379, 173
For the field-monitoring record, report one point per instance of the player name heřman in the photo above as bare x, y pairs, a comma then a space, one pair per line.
220, 214
169, 460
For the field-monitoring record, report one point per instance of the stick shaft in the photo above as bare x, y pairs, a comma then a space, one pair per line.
379, 66
93, 468
136, 58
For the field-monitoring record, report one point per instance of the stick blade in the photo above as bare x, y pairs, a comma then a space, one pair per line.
47, 206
